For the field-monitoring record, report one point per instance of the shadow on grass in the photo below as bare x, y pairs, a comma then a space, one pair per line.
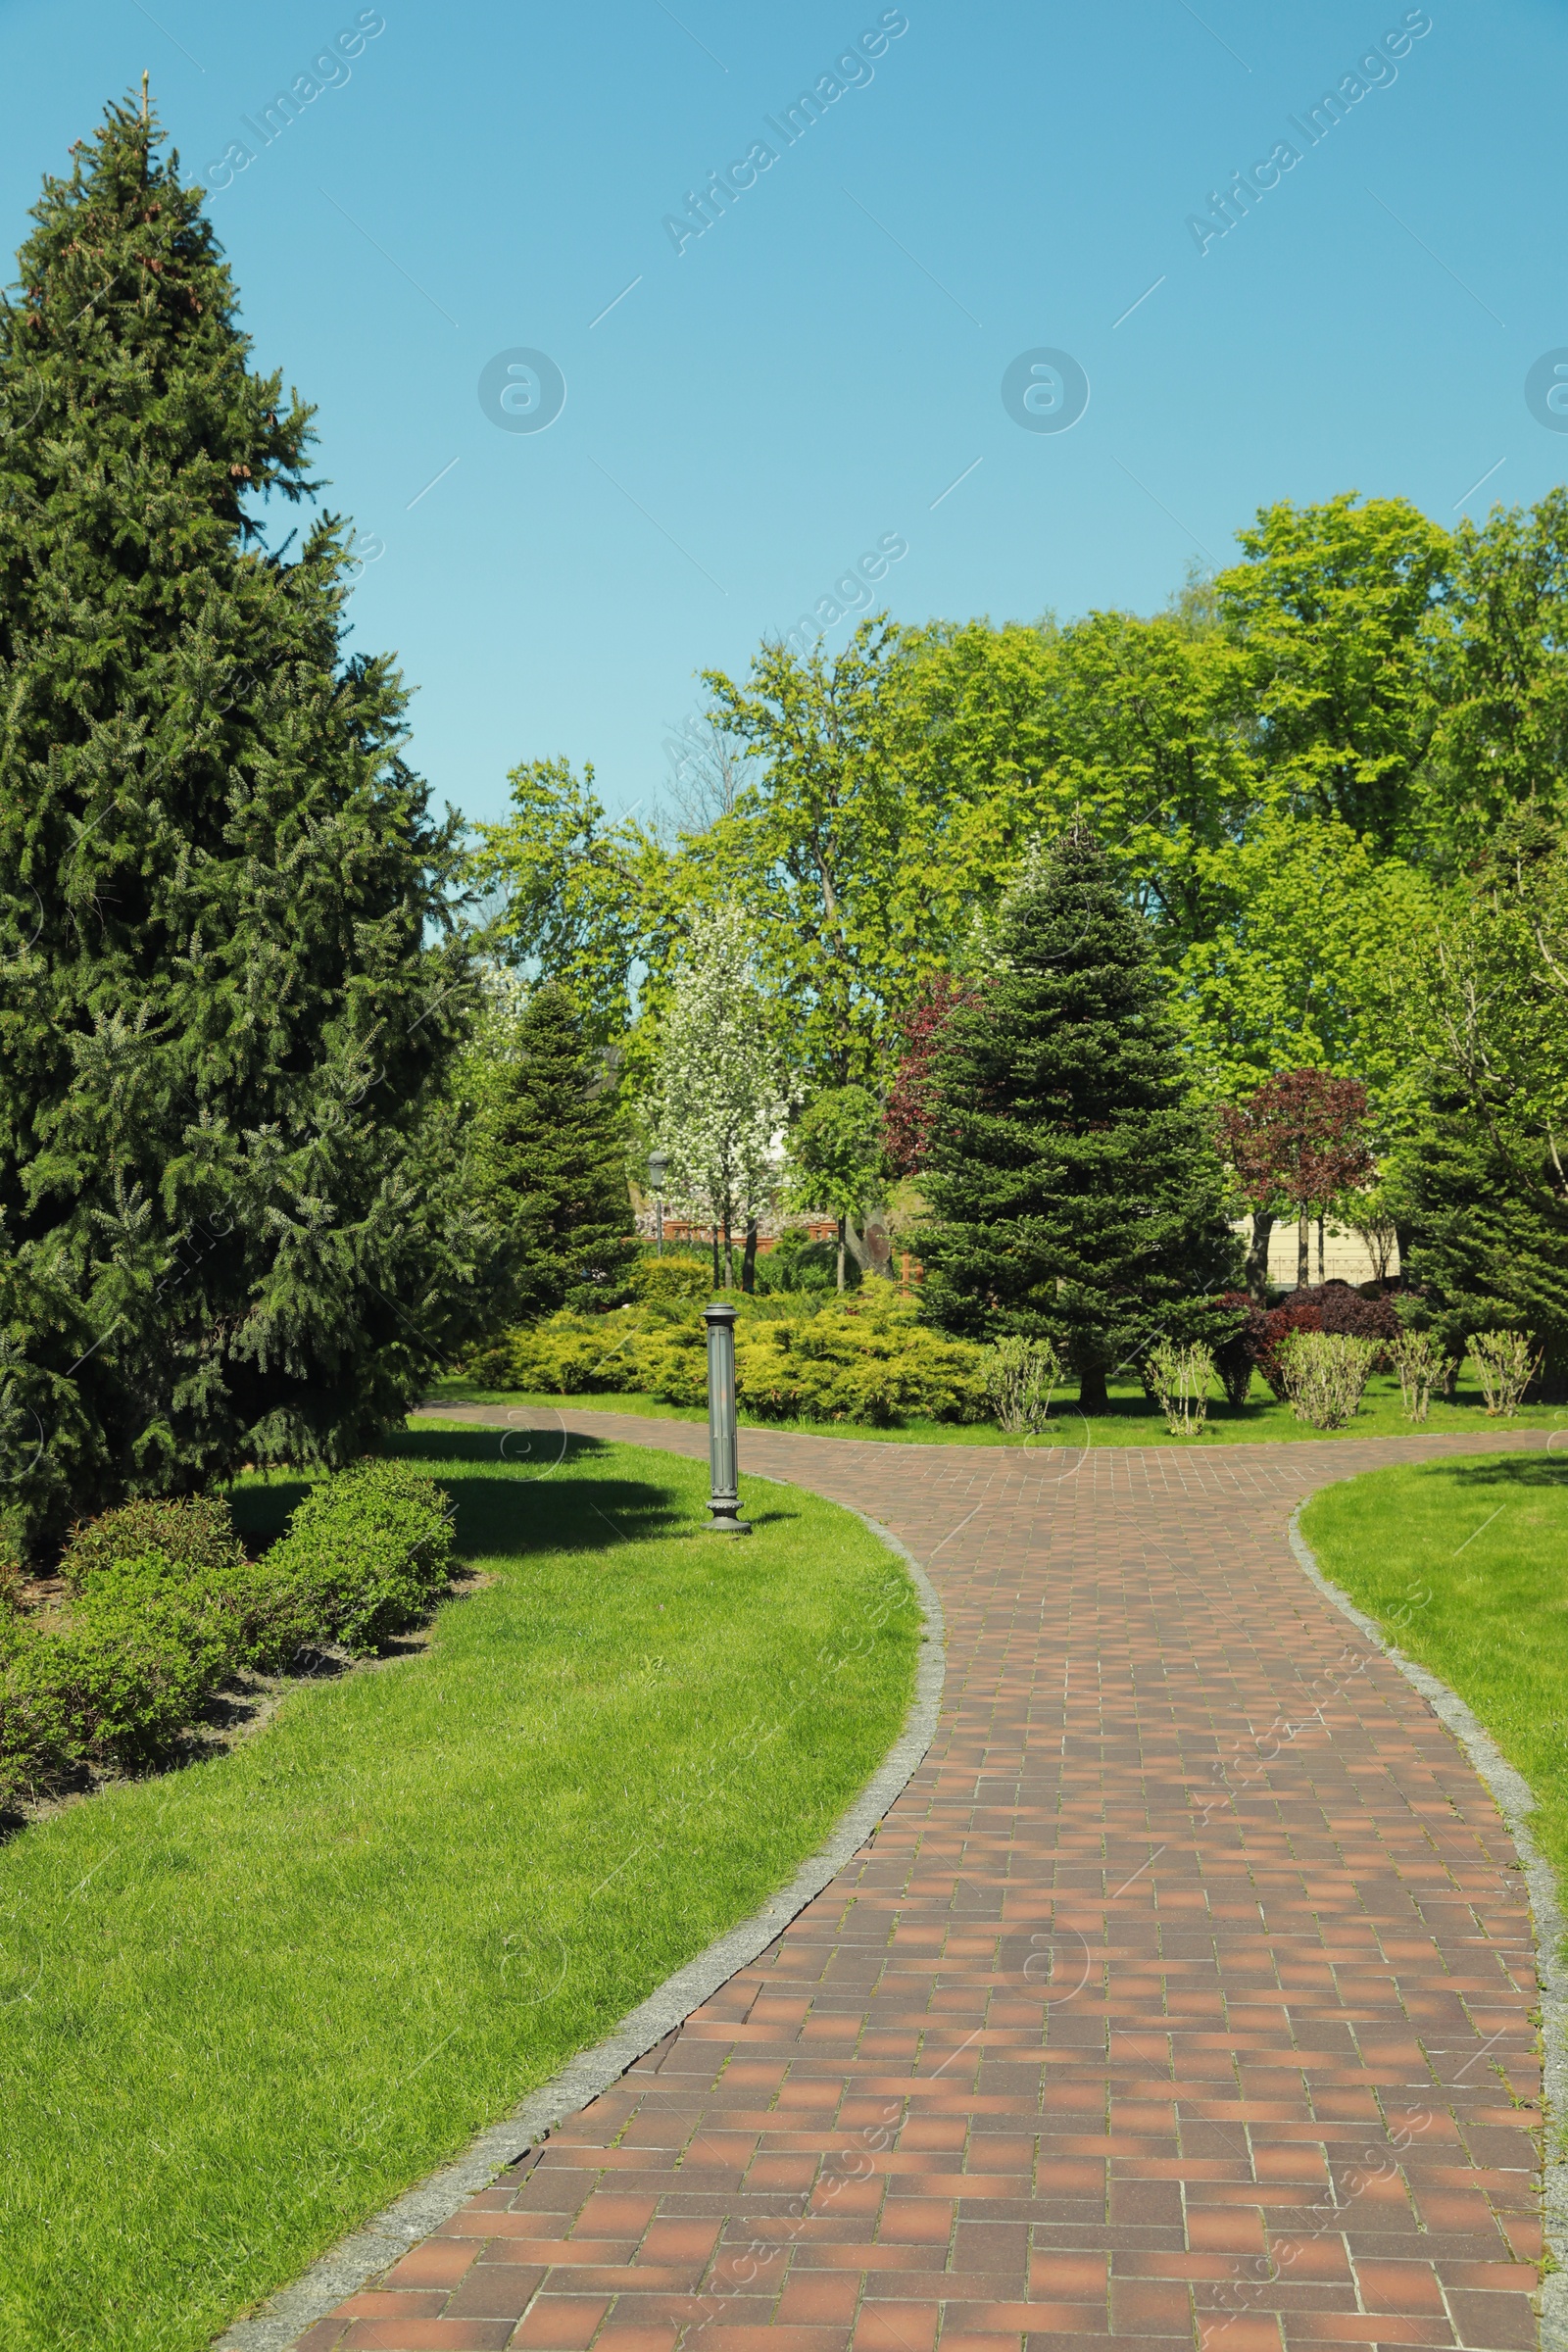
517, 1504
1511, 1470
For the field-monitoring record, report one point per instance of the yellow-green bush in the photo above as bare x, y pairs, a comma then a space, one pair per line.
864, 1357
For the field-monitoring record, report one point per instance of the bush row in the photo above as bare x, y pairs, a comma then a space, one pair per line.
162, 1608
863, 1359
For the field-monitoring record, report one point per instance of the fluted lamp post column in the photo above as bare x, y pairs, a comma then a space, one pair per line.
723, 1437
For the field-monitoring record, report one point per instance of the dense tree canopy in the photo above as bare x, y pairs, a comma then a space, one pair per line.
228, 986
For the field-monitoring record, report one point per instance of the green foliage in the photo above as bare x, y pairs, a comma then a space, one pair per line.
114, 1686
1076, 1197
548, 1155
166, 1608
1331, 608
366, 1553
1499, 680
866, 1358
869, 1361
819, 850
228, 985
1305, 924
194, 1533
1479, 1169
1021, 1376
587, 902
1507, 1362
1180, 1380
1325, 1374
798, 1263
1418, 1358
659, 1281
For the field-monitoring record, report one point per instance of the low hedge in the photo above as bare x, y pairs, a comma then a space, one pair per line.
864, 1357
164, 1609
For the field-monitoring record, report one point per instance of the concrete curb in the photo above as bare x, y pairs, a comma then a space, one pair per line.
1515, 1800
356, 2259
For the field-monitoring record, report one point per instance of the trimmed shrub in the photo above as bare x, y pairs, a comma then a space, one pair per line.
114, 1686
195, 1532
1325, 1374
1330, 1307
1421, 1361
1507, 1362
1021, 1376
679, 1275
1179, 1378
363, 1556
868, 1360
166, 1608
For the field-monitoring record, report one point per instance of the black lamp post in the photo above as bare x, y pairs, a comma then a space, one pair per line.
722, 1431
658, 1169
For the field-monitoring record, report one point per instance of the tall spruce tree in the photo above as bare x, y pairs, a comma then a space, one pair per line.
229, 983
549, 1157
1076, 1195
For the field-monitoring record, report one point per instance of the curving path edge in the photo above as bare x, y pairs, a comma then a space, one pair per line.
1186, 1995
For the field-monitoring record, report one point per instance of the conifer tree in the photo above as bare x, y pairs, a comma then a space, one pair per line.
549, 1160
229, 980
1076, 1197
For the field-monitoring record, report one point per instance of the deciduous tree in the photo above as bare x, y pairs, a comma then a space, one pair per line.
1298, 1143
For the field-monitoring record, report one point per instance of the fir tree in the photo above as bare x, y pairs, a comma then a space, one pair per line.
550, 1159
228, 985
1077, 1196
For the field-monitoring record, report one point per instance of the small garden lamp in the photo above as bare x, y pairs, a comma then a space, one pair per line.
658, 1169
725, 1504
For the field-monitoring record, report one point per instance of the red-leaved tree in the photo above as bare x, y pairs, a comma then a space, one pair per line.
913, 1099
1296, 1145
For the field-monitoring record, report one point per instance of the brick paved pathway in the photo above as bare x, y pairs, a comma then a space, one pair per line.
1142, 2019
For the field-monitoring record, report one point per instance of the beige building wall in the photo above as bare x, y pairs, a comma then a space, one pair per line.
1345, 1255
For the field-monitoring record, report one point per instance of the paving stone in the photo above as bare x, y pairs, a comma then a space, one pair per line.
1157, 2013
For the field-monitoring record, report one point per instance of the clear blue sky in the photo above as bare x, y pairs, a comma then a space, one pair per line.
809, 375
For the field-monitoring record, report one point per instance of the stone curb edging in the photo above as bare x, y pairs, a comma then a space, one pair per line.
1515, 1800
357, 2259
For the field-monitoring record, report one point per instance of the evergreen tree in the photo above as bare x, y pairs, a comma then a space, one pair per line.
550, 1160
1077, 1196
228, 979
1480, 1184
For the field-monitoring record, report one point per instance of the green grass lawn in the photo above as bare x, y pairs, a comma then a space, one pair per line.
1466, 1566
243, 2005
1130, 1420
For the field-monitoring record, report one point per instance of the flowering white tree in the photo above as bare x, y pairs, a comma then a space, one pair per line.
719, 1104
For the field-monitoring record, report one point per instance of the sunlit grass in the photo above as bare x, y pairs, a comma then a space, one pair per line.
1466, 1566
244, 2005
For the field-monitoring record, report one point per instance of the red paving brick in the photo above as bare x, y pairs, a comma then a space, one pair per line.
1183, 2000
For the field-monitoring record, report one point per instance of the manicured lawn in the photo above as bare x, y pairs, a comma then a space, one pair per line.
244, 2005
1466, 1566
1131, 1421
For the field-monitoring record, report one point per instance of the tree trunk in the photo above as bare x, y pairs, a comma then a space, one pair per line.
715, 1257
729, 1255
1321, 1256
749, 1259
1303, 1251
1092, 1397
843, 1222
1258, 1256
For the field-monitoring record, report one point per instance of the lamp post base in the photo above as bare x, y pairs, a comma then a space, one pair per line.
727, 1520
